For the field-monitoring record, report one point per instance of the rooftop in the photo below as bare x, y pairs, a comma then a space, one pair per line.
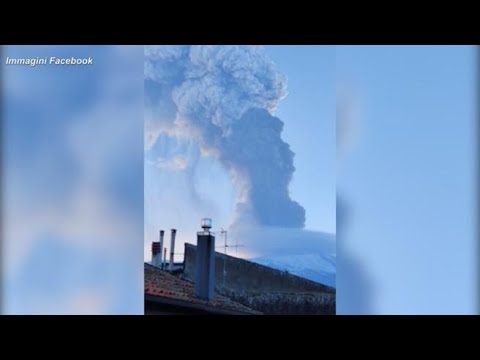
164, 288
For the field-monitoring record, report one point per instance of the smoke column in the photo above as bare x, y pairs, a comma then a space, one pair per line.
223, 97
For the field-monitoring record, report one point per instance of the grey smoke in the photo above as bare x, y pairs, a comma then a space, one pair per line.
224, 97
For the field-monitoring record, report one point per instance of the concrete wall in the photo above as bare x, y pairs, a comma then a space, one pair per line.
263, 288
285, 303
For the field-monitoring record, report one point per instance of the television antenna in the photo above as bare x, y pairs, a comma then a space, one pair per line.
225, 247
225, 242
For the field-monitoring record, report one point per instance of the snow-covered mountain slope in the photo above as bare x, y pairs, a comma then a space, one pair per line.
306, 253
316, 267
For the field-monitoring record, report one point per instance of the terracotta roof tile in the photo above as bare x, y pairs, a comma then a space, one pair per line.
162, 284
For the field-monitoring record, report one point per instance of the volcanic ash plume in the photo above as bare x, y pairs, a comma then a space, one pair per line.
223, 97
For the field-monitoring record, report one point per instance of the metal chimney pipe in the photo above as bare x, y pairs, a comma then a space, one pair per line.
161, 248
165, 257
172, 248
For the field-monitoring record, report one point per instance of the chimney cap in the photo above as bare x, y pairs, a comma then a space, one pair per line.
206, 224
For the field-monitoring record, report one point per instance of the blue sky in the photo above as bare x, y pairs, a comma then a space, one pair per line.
309, 116
205, 188
408, 183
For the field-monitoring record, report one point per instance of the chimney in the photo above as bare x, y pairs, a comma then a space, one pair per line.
205, 262
162, 259
164, 263
156, 253
172, 248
